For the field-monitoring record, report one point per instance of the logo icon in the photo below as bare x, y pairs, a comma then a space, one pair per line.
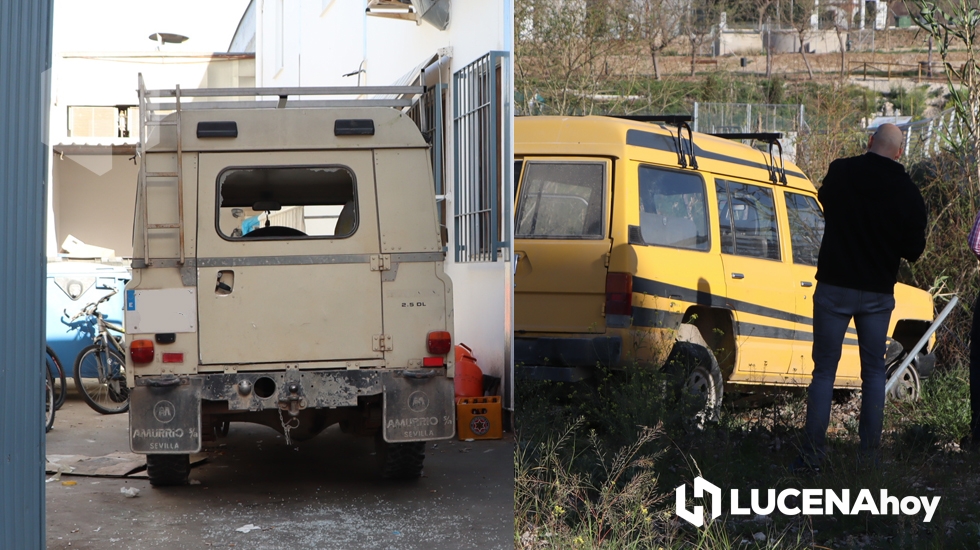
418, 401
479, 425
164, 411
701, 486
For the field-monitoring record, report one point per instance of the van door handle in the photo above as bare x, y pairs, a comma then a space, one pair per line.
806, 283
737, 276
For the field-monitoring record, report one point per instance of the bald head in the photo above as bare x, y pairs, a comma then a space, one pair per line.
887, 141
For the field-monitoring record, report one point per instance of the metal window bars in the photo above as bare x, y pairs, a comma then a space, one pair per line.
480, 123
157, 106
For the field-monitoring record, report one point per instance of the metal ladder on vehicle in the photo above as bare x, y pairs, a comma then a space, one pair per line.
148, 119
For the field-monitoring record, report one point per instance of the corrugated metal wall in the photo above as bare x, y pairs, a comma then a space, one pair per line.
25, 56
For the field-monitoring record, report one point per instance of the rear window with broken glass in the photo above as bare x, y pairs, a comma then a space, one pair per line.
561, 200
286, 202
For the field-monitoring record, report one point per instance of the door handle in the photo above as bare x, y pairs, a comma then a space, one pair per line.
806, 283
737, 276
225, 283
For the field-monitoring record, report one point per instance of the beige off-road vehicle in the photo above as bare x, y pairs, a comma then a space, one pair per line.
287, 271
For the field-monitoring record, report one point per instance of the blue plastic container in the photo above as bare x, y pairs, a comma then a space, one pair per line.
71, 286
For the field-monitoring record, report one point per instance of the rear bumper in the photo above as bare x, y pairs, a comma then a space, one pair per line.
566, 359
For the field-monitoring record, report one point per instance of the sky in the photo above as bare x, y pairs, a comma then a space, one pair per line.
125, 25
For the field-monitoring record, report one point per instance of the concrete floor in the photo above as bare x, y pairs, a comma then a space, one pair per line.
323, 493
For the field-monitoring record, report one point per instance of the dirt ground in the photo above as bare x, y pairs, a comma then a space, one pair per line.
323, 493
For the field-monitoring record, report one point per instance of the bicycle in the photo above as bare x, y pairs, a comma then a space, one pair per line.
49, 399
100, 369
58, 374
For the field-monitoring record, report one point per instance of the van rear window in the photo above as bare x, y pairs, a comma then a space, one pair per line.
561, 200
672, 209
286, 202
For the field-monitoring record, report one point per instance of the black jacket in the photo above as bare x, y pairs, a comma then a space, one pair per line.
875, 215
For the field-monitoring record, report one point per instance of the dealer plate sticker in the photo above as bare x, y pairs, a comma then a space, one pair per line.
165, 420
418, 410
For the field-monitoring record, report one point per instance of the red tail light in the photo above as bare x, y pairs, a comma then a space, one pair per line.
439, 342
141, 351
619, 294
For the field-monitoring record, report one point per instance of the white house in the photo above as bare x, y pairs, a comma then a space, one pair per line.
461, 50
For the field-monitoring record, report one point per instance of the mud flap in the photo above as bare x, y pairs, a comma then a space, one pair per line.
419, 405
165, 418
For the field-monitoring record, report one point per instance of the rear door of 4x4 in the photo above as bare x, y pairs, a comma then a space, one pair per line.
285, 246
562, 245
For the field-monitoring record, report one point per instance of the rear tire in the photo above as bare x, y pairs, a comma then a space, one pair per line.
168, 470
106, 392
58, 372
49, 402
700, 377
399, 460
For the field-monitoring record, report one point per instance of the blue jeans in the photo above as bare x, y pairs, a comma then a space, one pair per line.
833, 308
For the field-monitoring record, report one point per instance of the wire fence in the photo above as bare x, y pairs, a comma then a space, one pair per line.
715, 118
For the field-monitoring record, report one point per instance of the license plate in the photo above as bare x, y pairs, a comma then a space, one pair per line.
165, 420
418, 409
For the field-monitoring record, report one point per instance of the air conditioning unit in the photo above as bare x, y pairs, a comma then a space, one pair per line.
434, 12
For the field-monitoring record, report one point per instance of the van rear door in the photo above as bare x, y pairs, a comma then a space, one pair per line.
287, 254
562, 245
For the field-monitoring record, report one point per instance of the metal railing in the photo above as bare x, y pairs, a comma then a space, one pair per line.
480, 122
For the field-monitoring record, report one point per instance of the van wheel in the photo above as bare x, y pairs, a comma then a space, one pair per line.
399, 460
699, 377
168, 470
907, 388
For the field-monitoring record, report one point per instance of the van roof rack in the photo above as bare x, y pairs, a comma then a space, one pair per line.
667, 119
767, 137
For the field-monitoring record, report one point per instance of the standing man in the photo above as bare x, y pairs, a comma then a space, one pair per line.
874, 216
973, 442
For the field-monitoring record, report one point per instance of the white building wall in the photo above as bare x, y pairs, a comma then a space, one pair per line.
316, 42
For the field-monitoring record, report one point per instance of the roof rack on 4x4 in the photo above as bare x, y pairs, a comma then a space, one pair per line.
777, 174
154, 111
682, 123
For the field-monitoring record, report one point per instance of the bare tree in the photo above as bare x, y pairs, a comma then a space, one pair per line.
567, 52
699, 23
797, 17
958, 21
658, 24
839, 15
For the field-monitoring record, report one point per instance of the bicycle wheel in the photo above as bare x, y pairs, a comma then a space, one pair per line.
49, 406
58, 372
100, 377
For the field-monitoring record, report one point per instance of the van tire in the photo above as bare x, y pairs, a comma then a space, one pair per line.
698, 373
168, 470
399, 460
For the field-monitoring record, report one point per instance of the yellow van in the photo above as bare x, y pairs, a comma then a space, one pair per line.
638, 239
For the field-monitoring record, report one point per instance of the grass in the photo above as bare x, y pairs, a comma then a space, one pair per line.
594, 475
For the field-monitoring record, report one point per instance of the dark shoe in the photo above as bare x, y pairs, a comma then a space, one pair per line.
803, 467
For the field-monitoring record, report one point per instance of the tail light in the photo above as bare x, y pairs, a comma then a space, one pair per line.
619, 294
141, 351
439, 342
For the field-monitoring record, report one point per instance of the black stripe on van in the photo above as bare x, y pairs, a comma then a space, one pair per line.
660, 318
660, 142
704, 298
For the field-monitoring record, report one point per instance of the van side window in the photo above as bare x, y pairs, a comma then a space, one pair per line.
805, 228
747, 220
672, 209
286, 202
561, 200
